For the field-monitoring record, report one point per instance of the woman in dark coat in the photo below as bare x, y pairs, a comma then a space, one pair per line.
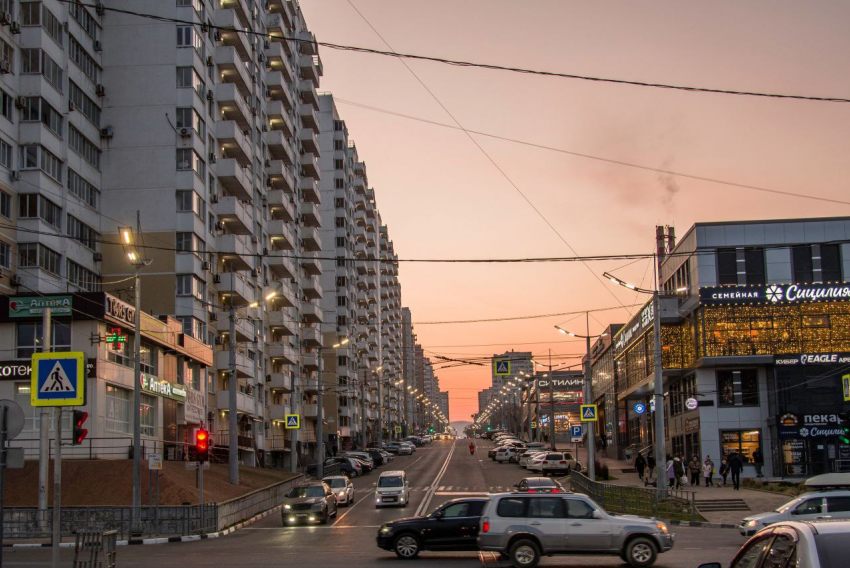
640, 465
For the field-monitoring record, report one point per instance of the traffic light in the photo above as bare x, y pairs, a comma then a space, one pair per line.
80, 433
202, 445
844, 426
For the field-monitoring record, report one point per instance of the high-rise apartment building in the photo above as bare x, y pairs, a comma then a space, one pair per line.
518, 362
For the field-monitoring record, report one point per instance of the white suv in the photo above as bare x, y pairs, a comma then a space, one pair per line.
393, 489
807, 507
506, 454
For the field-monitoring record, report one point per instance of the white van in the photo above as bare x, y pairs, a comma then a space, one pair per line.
392, 489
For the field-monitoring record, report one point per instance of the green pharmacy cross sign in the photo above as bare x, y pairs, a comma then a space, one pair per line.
115, 338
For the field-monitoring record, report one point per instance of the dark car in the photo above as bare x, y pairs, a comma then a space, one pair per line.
415, 440
308, 503
451, 526
539, 485
347, 466
377, 456
366, 466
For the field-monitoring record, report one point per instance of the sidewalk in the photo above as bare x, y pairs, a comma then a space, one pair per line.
757, 501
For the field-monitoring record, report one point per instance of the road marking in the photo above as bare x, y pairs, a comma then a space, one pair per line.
460, 493
426, 501
304, 527
349, 509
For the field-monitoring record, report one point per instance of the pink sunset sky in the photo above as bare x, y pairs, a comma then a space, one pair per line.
441, 197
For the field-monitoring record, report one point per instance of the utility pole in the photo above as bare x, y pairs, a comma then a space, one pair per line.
320, 416
44, 432
380, 378
57, 484
528, 384
137, 396
233, 460
551, 403
588, 395
660, 441
363, 411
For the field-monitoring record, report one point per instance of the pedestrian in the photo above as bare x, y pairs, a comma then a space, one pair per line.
758, 461
671, 473
678, 471
694, 468
724, 470
708, 471
640, 465
736, 465
650, 464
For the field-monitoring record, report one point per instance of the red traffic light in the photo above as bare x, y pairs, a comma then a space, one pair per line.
202, 445
80, 433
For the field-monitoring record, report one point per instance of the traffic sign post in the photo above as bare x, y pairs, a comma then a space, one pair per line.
588, 413
293, 421
11, 424
576, 433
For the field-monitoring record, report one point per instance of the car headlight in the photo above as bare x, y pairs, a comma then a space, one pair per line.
385, 529
751, 523
287, 507
662, 527
341, 493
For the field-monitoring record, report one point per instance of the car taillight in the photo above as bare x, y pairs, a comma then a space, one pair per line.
485, 526
532, 490
545, 463
562, 462
556, 490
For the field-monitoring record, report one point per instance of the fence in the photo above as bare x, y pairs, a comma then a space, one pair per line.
241, 508
118, 447
171, 520
678, 505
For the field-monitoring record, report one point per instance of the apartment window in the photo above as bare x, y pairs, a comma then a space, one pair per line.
341, 320
35, 157
5, 255
6, 105
84, 104
33, 205
189, 159
340, 242
188, 78
737, 388
82, 277
341, 300
830, 262
34, 14
338, 126
340, 262
82, 233
193, 327
36, 109
727, 266
190, 242
184, 36
340, 222
339, 164
85, 147
117, 408
7, 53
801, 258
339, 203
82, 189
190, 285
147, 420
149, 358
5, 154
339, 183
190, 118
35, 61
85, 19
5, 204
81, 57
188, 200
341, 281
29, 336
754, 266
34, 255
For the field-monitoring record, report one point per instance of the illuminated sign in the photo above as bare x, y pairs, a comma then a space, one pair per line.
812, 359
165, 389
115, 338
26, 307
118, 310
775, 293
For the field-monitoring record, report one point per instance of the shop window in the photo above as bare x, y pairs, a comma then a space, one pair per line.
30, 335
737, 388
727, 267
117, 409
148, 415
742, 442
802, 261
754, 266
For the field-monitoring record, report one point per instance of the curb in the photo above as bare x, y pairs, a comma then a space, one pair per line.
701, 524
162, 540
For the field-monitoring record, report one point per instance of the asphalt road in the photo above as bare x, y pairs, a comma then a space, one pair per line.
437, 473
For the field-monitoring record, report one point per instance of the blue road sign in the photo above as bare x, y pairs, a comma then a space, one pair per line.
588, 412
293, 421
503, 367
58, 379
640, 408
576, 431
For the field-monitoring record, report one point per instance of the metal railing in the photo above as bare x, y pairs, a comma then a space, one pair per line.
678, 505
116, 447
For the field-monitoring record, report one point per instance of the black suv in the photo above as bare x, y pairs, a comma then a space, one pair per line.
451, 526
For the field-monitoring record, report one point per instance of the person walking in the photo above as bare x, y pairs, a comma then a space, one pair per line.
650, 464
668, 468
708, 471
724, 470
678, 471
640, 465
758, 461
694, 468
736, 466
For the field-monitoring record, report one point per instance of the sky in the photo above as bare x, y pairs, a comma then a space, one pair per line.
443, 197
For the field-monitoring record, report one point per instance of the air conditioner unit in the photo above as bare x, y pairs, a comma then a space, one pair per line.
15, 281
214, 198
98, 46
254, 111
106, 132
216, 278
21, 102
100, 90
210, 96
265, 128
5, 19
15, 28
71, 106
15, 175
185, 133
255, 240
268, 163
265, 251
217, 36
213, 316
205, 266
261, 57
212, 158
268, 91
98, 256
257, 271
5, 67
267, 45
209, 60
268, 378
99, 9
219, 225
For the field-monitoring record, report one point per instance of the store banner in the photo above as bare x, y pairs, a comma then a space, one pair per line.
791, 360
774, 294
193, 411
153, 385
808, 425
22, 370
33, 306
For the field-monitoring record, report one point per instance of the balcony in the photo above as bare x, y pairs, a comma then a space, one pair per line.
241, 9
309, 164
310, 361
244, 366
236, 252
311, 239
310, 68
308, 95
307, 43
309, 117
282, 235
279, 118
228, 283
283, 352
275, 23
227, 19
277, 413
311, 336
282, 266
234, 177
279, 146
310, 264
244, 402
309, 410
281, 205
284, 298
311, 313
235, 214
311, 287
309, 141
279, 381
233, 142
277, 89
280, 176
243, 327
282, 322
232, 69
310, 190
233, 105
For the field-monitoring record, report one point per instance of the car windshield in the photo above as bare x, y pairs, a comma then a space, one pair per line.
336, 483
391, 481
311, 491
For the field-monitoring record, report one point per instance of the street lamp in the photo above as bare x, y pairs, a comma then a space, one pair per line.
588, 394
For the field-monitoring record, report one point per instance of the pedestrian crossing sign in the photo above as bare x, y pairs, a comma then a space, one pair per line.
502, 367
845, 385
293, 421
398, 429
58, 379
588, 413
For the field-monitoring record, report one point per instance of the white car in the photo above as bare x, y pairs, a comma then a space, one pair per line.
528, 455
342, 488
405, 449
505, 454
393, 489
806, 507
557, 462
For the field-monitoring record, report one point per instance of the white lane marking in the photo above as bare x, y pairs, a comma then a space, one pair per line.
426, 501
304, 527
461, 493
349, 509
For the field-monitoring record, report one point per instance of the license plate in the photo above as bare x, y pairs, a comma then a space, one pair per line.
388, 499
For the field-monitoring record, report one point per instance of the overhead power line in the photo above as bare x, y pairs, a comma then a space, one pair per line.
461, 63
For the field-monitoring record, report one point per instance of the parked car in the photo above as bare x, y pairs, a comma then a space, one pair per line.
554, 463
309, 503
451, 526
414, 440
392, 447
364, 465
388, 457
362, 456
347, 466
527, 455
426, 439
528, 526
539, 485
342, 488
405, 449
376, 456
393, 488
813, 544
505, 454
811, 506
491, 453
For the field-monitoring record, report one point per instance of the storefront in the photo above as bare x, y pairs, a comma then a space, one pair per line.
567, 389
